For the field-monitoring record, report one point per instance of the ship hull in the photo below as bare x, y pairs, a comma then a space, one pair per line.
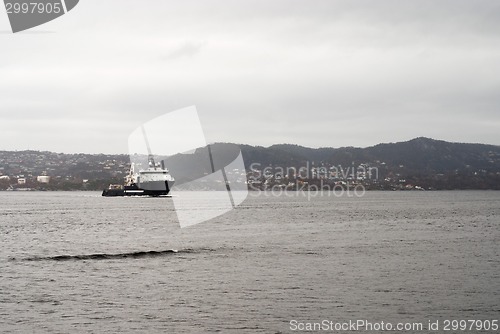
153, 189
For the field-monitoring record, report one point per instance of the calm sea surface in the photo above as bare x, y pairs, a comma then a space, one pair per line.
75, 262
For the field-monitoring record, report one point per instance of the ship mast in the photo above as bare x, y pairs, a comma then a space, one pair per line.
151, 159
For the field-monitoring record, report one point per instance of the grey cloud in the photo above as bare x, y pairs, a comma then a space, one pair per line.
185, 50
317, 73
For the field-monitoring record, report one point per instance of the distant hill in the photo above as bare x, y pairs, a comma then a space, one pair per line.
428, 163
420, 154
431, 163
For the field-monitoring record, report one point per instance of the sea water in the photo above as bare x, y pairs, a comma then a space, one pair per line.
74, 262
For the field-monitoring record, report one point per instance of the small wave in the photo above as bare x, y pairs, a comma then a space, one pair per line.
110, 256
100, 256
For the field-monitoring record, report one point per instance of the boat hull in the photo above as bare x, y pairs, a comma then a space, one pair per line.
153, 190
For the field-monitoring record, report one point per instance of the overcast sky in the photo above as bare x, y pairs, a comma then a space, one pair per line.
314, 73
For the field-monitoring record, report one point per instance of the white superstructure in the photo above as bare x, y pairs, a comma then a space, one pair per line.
155, 177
